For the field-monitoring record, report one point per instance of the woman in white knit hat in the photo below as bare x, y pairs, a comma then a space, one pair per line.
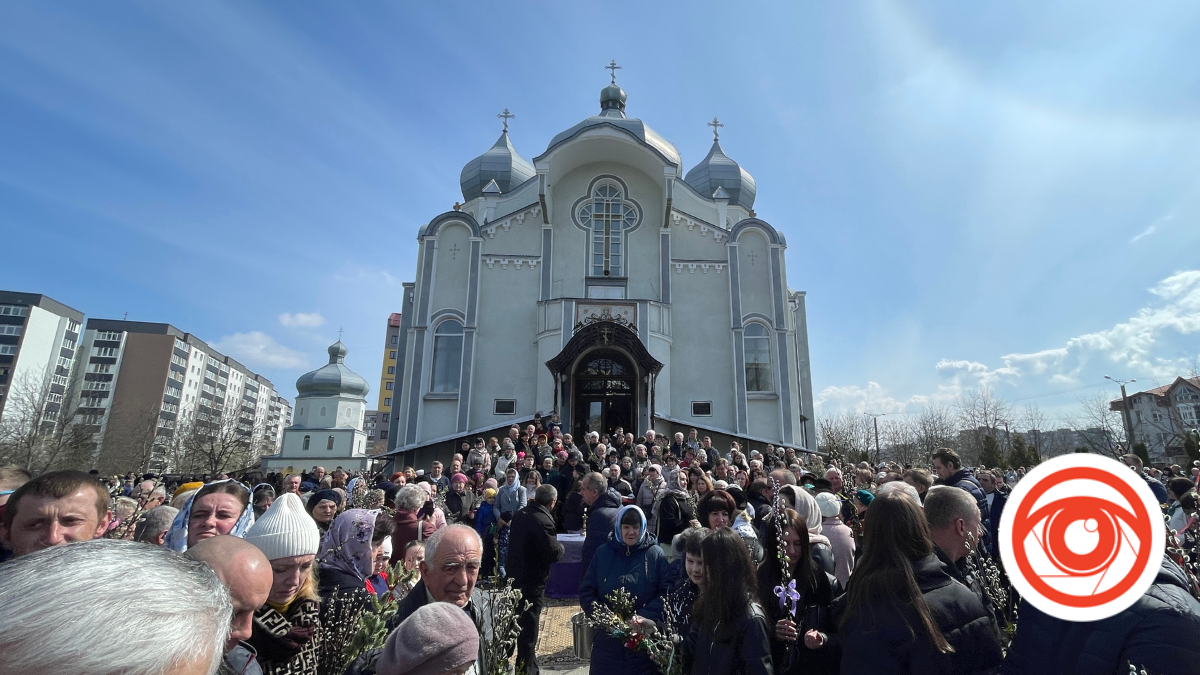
286, 628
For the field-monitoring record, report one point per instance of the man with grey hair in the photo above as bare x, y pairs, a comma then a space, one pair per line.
899, 486
603, 503
42, 629
453, 558
152, 527
532, 548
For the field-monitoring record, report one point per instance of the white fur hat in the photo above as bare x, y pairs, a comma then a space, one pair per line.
285, 530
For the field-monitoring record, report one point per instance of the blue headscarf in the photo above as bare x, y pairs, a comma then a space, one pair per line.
178, 534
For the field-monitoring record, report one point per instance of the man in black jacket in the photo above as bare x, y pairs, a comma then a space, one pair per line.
602, 502
532, 547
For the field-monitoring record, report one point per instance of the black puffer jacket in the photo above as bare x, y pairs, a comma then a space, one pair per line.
887, 645
1160, 632
814, 611
745, 650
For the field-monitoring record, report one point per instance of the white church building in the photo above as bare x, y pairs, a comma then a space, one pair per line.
327, 427
607, 282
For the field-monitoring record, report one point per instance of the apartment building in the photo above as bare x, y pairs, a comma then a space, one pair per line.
378, 421
151, 380
1161, 417
38, 337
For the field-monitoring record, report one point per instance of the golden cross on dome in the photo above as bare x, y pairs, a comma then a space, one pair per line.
614, 68
716, 125
506, 116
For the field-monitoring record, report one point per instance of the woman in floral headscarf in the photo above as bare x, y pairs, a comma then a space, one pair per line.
345, 560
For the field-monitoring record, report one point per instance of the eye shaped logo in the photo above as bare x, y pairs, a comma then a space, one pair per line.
1081, 537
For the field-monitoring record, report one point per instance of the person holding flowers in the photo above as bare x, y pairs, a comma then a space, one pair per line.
798, 597
630, 560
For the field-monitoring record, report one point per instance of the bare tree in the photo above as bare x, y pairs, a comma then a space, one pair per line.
40, 431
218, 439
935, 428
846, 437
130, 439
1035, 422
1097, 427
901, 441
980, 414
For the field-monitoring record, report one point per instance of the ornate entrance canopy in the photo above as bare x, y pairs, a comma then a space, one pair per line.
604, 334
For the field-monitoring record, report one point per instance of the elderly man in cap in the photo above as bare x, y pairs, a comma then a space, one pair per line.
453, 558
246, 572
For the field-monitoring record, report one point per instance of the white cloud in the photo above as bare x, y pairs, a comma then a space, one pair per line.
1135, 346
1152, 228
302, 320
259, 350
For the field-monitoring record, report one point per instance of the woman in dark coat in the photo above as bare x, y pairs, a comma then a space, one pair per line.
729, 628
572, 511
903, 613
630, 559
807, 643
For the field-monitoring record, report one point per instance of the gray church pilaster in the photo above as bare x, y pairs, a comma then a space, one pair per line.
547, 260
469, 334
664, 257
783, 370
428, 260
739, 356
805, 373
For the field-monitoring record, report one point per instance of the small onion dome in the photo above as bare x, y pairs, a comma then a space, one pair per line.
333, 378
501, 164
612, 101
719, 171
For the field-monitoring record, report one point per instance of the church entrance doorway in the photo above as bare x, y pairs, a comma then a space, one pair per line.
605, 387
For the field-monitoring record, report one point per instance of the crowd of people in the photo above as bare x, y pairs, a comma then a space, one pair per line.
751, 561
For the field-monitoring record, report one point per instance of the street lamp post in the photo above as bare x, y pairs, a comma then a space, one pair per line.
1125, 411
878, 451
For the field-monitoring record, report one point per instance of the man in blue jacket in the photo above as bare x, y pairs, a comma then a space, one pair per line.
602, 503
950, 471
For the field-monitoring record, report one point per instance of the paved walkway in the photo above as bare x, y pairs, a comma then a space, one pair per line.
556, 640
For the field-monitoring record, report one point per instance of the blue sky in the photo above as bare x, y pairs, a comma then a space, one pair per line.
1006, 195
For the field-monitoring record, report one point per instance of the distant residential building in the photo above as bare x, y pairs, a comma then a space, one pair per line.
279, 419
387, 375
331, 407
38, 338
152, 380
1161, 417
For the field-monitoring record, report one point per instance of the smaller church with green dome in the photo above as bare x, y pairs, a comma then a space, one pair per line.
609, 283
327, 425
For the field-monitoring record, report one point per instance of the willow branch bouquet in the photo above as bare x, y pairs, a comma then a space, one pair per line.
786, 590
500, 608
615, 620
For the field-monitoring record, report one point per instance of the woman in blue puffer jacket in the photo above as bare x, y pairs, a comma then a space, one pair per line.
630, 559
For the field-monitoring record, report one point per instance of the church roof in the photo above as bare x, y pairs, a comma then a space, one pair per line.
333, 378
500, 164
612, 114
718, 172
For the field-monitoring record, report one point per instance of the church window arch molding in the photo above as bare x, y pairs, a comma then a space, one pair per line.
756, 350
607, 213
307, 442
447, 356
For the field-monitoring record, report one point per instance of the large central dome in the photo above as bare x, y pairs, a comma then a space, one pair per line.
333, 378
612, 114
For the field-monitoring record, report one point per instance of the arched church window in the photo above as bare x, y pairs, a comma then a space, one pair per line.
447, 357
329, 443
307, 440
607, 215
757, 350
322, 411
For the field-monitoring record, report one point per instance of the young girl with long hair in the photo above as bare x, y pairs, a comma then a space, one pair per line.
903, 613
729, 628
